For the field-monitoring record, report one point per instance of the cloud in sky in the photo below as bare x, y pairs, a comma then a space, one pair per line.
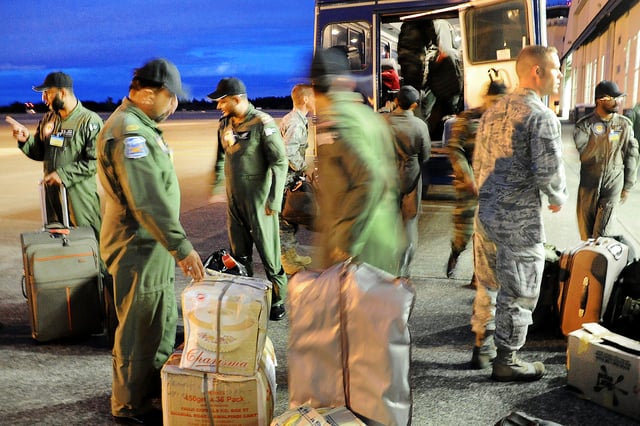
266, 43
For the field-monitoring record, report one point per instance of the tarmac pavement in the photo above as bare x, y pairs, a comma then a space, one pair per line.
68, 383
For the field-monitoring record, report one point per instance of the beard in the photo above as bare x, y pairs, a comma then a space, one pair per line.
612, 109
57, 103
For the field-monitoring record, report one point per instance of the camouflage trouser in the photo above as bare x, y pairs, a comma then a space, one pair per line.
508, 287
463, 213
288, 238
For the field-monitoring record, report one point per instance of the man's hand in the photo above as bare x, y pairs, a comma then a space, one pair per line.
623, 195
20, 132
192, 266
338, 255
554, 208
268, 211
52, 178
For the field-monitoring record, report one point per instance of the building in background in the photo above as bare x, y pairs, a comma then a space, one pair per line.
602, 42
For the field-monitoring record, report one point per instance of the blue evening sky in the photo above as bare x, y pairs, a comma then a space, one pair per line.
267, 43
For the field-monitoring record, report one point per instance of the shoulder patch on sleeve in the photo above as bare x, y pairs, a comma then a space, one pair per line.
93, 126
268, 131
135, 147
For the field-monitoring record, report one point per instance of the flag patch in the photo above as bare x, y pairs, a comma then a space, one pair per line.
135, 147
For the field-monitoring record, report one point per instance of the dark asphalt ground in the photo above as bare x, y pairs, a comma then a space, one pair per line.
68, 383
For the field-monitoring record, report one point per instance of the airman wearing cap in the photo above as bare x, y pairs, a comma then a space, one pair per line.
251, 163
609, 158
65, 143
142, 237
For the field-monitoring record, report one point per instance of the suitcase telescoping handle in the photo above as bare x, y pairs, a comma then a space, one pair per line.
63, 202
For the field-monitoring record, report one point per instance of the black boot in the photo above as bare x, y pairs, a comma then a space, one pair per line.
452, 262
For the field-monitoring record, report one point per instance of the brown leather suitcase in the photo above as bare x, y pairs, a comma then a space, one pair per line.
587, 275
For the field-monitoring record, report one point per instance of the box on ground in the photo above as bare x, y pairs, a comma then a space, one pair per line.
225, 324
305, 415
605, 368
198, 398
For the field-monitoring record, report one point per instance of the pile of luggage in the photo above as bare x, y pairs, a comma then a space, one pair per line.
595, 281
591, 294
224, 373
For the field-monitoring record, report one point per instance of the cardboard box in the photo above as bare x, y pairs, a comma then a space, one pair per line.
305, 415
225, 324
605, 368
197, 398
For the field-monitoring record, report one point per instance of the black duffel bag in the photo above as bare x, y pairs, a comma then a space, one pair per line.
222, 261
300, 205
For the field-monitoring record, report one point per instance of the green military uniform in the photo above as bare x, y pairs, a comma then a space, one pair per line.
608, 165
358, 185
252, 156
71, 152
141, 239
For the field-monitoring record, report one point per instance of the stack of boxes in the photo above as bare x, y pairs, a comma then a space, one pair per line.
225, 373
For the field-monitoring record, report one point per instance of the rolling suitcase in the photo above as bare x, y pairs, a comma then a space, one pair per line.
62, 282
587, 275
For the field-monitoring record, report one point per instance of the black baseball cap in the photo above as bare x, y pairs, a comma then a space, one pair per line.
331, 61
607, 88
407, 96
163, 73
229, 86
54, 79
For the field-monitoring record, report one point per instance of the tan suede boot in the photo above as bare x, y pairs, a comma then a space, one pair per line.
289, 262
507, 367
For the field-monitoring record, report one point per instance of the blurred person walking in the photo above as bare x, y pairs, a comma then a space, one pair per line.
358, 185
252, 162
294, 128
460, 146
142, 238
518, 154
608, 163
412, 143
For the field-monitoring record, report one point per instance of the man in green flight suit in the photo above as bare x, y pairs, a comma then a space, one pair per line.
65, 143
358, 178
251, 158
142, 238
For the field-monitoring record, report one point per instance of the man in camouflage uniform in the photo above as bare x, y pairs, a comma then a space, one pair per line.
294, 128
460, 147
518, 154
358, 180
608, 162
142, 238
251, 158
65, 143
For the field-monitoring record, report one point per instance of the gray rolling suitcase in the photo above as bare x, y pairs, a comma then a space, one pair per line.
62, 280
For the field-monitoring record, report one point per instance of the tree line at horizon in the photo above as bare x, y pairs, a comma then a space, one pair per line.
269, 102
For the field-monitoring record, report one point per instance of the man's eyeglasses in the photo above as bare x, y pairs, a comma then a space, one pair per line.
611, 98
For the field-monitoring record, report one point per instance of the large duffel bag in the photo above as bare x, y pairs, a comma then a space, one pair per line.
349, 342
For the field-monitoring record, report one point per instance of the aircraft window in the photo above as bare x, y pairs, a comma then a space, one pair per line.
354, 38
496, 32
